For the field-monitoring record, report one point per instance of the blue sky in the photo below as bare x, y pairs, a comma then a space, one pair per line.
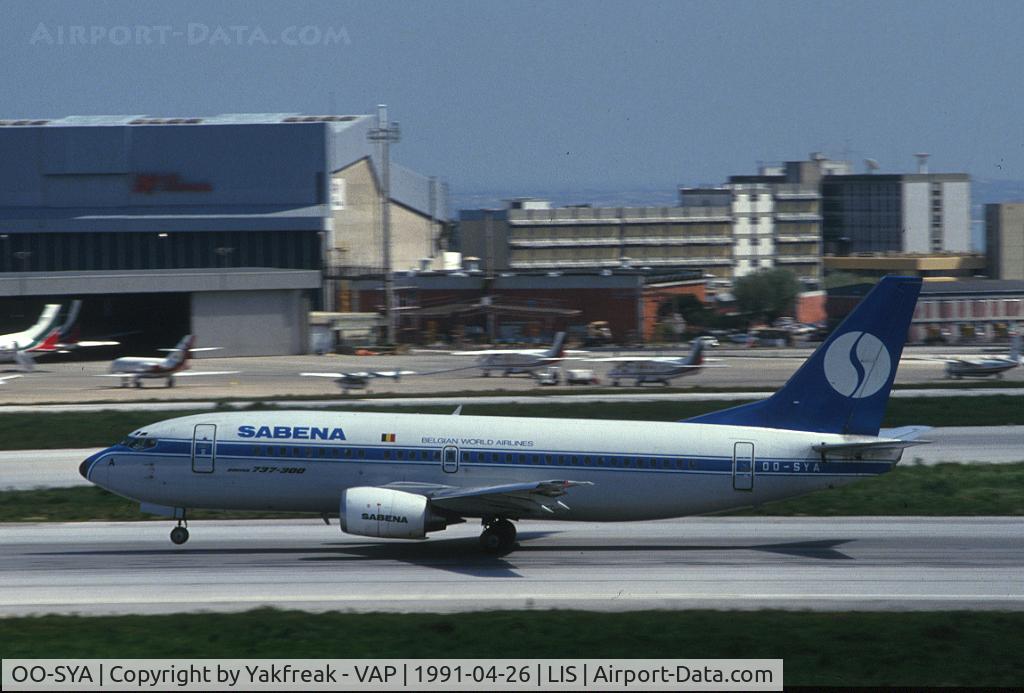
557, 95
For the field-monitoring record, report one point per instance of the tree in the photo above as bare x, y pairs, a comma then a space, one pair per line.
768, 294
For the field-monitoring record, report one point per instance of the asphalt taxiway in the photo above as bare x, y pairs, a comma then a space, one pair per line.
721, 563
277, 376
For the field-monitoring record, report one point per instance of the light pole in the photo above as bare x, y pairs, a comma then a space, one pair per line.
384, 134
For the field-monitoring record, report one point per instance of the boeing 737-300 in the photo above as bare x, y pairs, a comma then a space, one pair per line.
404, 476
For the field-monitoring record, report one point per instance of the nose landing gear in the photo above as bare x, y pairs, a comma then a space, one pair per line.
498, 537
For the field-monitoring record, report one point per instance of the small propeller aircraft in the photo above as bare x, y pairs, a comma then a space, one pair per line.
358, 380
984, 366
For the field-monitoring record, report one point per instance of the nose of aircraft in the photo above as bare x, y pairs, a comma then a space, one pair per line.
86, 465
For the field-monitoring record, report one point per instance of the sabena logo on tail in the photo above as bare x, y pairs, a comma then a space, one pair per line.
857, 364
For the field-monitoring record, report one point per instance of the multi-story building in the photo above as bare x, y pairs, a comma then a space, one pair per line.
783, 204
531, 235
908, 213
1004, 240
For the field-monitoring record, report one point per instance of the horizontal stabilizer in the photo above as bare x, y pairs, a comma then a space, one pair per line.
904, 432
866, 446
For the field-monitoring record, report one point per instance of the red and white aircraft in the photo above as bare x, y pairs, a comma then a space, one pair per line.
133, 369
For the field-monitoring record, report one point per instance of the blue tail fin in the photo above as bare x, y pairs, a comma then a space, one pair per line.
844, 386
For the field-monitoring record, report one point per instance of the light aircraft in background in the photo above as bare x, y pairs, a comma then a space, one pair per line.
358, 380
510, 361
984, 366
402, 476
656, 369
134, 369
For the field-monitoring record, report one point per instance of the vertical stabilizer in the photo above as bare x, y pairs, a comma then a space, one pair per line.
181, 352
844, 386
557, 349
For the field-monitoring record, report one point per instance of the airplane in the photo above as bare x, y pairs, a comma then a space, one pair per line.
656, 369
984, 366
68, 340
358, 380
17, 347
133, 369
509, 361
403, 476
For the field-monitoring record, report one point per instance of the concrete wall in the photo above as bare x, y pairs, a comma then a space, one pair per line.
916, 217
356, 234
956, 216
251, 323
357, 230
1004, 233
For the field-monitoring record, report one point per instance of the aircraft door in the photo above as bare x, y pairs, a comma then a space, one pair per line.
203, 441
450, 459
743, 466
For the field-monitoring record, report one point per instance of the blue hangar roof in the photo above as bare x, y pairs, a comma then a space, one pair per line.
246, 171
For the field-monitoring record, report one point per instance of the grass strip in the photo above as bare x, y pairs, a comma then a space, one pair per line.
940, 490
49, 430
819, 649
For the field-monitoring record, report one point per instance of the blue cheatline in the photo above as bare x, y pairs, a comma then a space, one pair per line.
844, 386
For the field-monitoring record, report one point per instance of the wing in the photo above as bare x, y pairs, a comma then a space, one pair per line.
635, 359
87, 344
189, 374
487, 352
332, 375
508, 500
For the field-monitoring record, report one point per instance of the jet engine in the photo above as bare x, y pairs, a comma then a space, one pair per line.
382, 512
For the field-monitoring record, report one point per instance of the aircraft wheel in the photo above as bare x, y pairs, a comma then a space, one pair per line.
487, 374
615, 383
138, 383
170, 382
179, 535
499, 537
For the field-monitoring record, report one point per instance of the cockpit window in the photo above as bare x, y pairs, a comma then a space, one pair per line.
136, 443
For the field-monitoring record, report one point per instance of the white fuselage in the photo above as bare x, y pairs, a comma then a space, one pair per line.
143, 367
508, 363
303, 461
652, 371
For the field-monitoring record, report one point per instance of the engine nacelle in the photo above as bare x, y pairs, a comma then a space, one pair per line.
383, 512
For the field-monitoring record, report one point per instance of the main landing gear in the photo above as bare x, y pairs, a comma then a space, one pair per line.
179, 535
498, 537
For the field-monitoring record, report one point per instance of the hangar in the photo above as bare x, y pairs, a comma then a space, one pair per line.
231, 226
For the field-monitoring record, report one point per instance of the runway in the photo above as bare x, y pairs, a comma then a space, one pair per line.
887, 564
27, 469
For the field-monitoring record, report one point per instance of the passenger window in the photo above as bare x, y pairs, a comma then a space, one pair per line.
348, 453
362, 453
399, 455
